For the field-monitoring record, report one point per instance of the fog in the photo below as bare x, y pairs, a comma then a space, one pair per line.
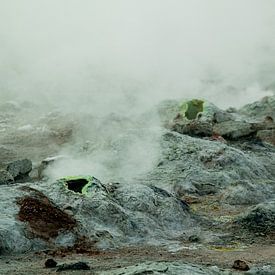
125, 56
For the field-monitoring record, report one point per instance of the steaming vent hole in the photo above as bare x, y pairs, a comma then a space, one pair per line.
76, 185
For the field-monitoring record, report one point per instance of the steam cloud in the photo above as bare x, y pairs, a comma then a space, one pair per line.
96, 58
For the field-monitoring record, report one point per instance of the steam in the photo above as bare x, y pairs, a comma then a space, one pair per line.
104, 59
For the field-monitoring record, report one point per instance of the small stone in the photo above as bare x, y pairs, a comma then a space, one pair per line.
50, 263
194, 239
240, 265
74, 266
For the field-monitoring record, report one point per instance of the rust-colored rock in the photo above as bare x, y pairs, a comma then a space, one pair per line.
45, 220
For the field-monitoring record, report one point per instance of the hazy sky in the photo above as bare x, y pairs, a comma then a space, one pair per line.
104, 51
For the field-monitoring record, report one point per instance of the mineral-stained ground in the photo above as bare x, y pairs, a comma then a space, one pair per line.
206, 206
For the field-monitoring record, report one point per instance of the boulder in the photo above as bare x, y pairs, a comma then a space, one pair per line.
247, 193
233, 130
259, 219
193, 127
20, 169
195, 165
5, 177
203, 119
262, 108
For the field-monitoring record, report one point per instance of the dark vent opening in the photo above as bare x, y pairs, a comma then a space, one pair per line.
76, 185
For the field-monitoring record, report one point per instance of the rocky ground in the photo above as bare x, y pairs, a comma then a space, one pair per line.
206, 206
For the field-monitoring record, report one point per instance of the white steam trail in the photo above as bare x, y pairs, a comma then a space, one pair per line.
100, 57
